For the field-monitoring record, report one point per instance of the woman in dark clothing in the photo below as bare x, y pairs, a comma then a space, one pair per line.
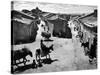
93, 50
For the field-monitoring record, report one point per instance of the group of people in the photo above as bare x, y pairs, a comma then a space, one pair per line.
89, 43
43, 36
90, 47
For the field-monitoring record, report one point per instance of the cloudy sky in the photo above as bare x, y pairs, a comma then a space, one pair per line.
55, 8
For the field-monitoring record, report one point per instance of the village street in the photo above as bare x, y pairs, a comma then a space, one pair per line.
66, 56
50, 37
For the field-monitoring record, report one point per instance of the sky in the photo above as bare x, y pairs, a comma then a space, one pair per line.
54, 8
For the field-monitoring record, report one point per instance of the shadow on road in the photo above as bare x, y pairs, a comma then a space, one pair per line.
48, 61
20, 69
33, 66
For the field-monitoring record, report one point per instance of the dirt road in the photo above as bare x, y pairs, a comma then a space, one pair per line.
67, 56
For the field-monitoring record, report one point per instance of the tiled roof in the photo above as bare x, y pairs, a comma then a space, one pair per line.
15, 12
90, 20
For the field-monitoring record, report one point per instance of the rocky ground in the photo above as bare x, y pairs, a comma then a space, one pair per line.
67, 56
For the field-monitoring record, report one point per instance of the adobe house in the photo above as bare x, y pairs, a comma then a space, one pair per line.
23, 27
58, 25
89, 26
